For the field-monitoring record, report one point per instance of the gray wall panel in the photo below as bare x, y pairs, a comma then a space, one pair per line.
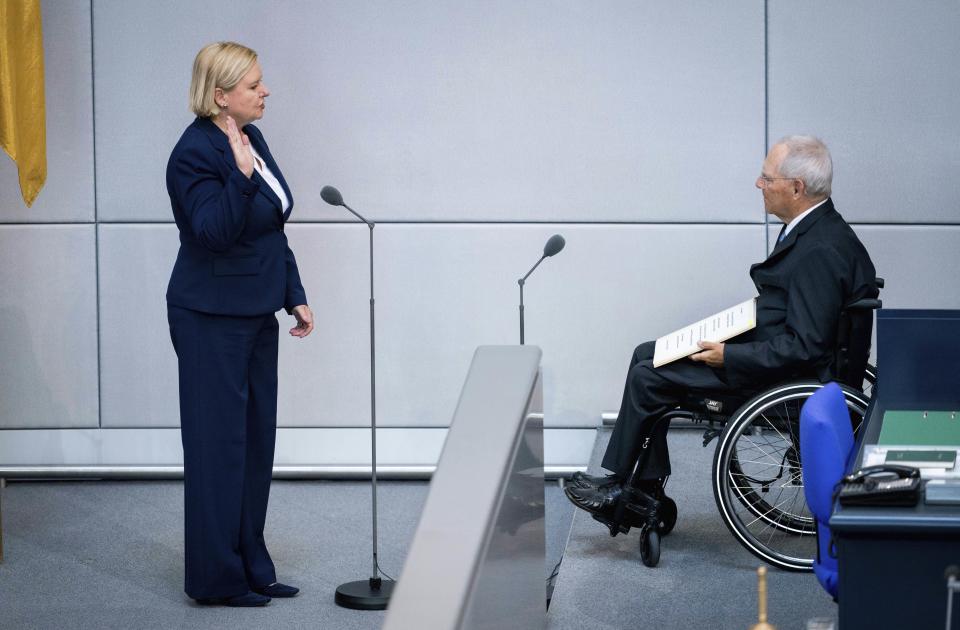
68, 192
919, 264
879, 85
441, 291
138, 367
48, 329
324, 379
449, 111
446, 289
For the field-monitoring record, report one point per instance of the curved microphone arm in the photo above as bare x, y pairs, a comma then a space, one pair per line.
370, 224
524, 279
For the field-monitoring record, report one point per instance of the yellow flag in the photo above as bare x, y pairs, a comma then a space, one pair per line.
23, 132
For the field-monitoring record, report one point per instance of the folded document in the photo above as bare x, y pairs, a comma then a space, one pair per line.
721, 326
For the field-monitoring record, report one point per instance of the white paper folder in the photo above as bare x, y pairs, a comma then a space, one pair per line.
721, 326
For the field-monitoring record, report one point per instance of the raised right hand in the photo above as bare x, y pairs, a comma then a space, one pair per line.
240, 144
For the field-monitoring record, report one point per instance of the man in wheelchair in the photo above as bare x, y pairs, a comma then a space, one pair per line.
817, 267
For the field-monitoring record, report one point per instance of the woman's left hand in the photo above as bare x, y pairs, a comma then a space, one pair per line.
304, 321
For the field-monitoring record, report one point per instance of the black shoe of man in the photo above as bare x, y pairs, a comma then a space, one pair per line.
583, 480
595, 500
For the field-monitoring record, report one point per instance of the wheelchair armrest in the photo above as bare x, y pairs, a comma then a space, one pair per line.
866, 303
878, 282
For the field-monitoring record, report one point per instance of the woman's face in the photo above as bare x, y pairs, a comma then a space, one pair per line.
246, 100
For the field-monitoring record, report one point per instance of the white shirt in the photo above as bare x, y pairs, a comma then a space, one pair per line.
260, 165
797, 219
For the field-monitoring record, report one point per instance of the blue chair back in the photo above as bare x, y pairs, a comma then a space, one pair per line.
826, 443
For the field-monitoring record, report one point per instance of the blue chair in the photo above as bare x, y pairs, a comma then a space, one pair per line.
826, 445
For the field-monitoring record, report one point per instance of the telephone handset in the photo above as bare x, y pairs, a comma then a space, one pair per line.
887, 484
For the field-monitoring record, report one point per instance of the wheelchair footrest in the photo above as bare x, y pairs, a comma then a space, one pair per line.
640, 515
635, 509
615, 527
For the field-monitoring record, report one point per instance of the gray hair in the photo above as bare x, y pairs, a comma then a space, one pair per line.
808, 159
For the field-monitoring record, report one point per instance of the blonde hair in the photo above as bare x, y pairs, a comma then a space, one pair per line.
218, 65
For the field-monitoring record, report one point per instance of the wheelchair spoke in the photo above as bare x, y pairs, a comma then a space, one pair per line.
772, 459
798, 505
773, 508
754, 445
774, 428
766, 448
771, 525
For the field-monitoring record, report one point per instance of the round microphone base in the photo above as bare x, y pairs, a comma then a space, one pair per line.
369, 594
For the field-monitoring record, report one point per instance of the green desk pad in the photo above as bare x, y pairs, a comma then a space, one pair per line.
911, 428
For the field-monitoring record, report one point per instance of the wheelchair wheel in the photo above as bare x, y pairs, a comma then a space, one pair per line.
869, 380
650, 546
668, 516
757, 481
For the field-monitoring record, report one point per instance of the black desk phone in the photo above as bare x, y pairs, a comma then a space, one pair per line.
881, 485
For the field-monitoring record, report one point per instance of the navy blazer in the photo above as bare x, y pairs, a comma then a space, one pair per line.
820, 267
234, 258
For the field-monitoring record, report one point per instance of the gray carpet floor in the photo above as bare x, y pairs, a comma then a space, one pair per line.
109, 554
705, 579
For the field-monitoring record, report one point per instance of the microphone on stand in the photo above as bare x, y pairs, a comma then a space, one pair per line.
332, 196
373, 593
553, 247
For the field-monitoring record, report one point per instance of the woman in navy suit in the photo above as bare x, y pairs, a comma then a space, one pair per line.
233, 272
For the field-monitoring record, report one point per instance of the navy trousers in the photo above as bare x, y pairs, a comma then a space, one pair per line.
228, 424
648, 394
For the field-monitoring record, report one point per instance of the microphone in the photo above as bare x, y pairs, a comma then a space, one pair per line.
554, 244
553, 247
332, 196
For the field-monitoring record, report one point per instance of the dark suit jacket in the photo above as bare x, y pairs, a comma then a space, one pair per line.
234, 258
804, 284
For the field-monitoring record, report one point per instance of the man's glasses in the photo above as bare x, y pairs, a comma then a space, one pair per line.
768, 180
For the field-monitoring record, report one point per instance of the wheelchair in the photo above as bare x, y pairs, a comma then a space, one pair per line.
756, 473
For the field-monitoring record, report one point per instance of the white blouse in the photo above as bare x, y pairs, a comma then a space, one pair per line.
261, 167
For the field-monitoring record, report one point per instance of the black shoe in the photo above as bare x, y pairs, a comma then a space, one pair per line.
583, 480
247, 600
595, 500
277, 590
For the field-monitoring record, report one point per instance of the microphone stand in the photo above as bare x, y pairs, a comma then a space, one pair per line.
521, 282
373, 593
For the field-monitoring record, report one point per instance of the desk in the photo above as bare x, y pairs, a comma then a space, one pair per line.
892, 563
892, 559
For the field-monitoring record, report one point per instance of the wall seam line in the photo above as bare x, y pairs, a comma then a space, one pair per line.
96, 227
766, 109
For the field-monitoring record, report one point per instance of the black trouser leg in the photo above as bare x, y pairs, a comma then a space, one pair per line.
648, 394
227, 424
258, 469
